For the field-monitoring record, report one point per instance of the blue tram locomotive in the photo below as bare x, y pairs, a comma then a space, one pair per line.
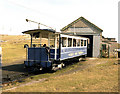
49, 48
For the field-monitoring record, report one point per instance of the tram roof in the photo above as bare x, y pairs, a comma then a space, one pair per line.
38, 31
73, 36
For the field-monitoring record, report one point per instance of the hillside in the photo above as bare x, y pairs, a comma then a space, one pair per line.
13, 47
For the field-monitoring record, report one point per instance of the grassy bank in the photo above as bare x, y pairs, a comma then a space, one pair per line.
100, 78
13, 48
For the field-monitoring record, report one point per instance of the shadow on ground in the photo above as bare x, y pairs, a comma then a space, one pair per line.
15, 67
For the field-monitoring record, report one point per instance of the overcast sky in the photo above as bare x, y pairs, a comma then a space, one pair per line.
57, 14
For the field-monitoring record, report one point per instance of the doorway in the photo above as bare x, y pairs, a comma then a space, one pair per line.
90, 45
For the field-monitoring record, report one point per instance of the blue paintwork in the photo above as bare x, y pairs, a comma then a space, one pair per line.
70, 52
37, 55
52, 54
40, 56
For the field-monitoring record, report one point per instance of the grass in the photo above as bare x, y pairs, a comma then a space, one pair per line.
44, 75
99, 78
13, 48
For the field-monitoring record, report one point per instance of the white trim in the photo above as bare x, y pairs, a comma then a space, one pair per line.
55, 47
75, 47
75, 37
72, 57
68, 52
72, 51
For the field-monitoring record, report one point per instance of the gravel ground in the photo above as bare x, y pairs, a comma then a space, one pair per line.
13, 69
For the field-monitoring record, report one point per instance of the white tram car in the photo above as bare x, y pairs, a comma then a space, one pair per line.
49, 48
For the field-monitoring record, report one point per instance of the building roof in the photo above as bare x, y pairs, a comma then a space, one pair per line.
108, 39
81, 18
106, 42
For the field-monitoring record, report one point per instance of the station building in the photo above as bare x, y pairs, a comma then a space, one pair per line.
83, 27
109, 45
96, 43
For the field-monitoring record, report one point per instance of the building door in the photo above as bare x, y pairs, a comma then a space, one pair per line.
118, 54
90, 45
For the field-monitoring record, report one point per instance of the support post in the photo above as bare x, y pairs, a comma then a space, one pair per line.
72, 43
40, 39
80, 42
55, 47
48, 39
108, 51
66, 42
31, 39
38, 25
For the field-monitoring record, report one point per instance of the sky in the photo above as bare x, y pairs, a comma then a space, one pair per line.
57, 14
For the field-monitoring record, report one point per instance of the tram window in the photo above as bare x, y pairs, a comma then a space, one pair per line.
84, 42
58, 42
35, 40
78, 42
104, 46
64, 42
69, 42
52, 40
81, 42
74, 42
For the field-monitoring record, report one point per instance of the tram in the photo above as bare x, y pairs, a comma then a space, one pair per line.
48, 48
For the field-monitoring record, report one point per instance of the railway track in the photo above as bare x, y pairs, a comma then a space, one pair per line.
17, 72
11, 78
16, 77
